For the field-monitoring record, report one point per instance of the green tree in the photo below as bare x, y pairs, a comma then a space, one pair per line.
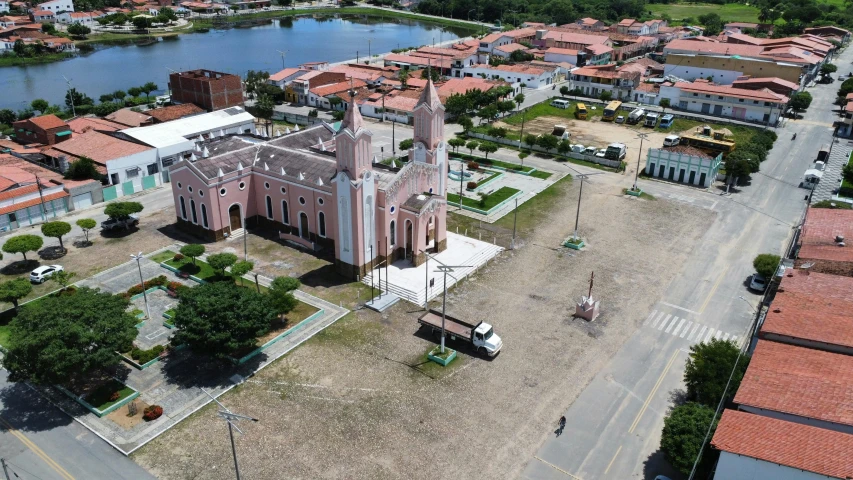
712, 22
141, 22
148, 88
264, 108
122, 210
564, 147
134, 91
531, 139
547, 142
472, 145
738, 167
255, 79
82, 169
605, 95
466, 123
708, 369
431, 73
39, 105
683, 433
78, 30
406, 144
13, 290
23, 244
564, 90
168, 14
86, 224
119, 95
519, 99
506, 106
241, 268
664, 103
106, 98
403, 76
828, 68
62, 278
457, 105
847, 172
56, 229
488, 113
7, 116
192, 250
75, 98
456, 142
281, 294
487, 148
498, 132
65, 337
221, 261
220, 320
801, 101
765, 264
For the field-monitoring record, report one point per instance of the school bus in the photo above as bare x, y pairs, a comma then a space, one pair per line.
581, 112
708, 144
611, 110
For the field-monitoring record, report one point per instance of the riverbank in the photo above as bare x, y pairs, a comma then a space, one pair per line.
15, 61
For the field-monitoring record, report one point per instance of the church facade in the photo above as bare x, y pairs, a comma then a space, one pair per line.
321, 189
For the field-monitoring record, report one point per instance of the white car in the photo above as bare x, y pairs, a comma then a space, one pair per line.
44, 272
758, 283
590, 151
620, 119
578, 148
600, 153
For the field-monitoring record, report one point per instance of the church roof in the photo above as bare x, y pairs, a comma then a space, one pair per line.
352, 119
429, 97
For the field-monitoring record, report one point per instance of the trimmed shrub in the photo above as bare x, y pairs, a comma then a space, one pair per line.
134, 290
152, 412
178, 257
115, 396
472, 185
145, 356
473, 166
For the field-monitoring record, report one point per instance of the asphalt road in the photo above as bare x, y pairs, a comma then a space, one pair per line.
39, 442
614, 426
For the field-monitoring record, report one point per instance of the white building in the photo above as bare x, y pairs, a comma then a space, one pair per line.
725, 101
83, 18
176, 140
56, 6
4, 6
533, 77
283, 78
560, 55
683, 164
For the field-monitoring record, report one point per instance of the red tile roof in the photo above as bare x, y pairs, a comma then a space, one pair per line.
598, 48
795, 445
16, 192
31, 203
821, 227
813, 306
510, 47
799, 381
174, 112
760, 80
763, 95
48, 121
43, 13
334, 88
710, 48
99, 147
462, 85
282, 74
561, 51
128, 117
84, 124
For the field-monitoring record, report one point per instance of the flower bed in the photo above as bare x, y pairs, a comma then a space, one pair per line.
494, 200
105, 398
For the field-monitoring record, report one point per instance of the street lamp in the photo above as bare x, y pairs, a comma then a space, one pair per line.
138, 257
642, 136
230, 418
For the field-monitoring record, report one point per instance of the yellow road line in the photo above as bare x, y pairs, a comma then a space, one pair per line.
654, 390
35, 449
713, 289
613, 460
556, 468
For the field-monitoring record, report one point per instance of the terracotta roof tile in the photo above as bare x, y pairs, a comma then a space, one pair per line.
813, 306
819, 231
48, 121
799, 381
795, 445
128, 117
174, 112
31, 203
17, 192
99, 147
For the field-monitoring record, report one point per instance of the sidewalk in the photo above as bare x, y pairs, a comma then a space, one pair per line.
176, 383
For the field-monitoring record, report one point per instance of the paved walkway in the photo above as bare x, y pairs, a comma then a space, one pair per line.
831, 179
176, 383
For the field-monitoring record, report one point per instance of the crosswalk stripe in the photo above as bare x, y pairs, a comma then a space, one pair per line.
718, 335
668, 316
674, 321
725, 337
693, 332
686, 328
709, 335
699, 337
678, 328
650, 317
657, 319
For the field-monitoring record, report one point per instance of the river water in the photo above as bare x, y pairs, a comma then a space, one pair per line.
236, 50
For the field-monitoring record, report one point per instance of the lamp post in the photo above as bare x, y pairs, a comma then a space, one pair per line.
230, 418
138, 257
642, 136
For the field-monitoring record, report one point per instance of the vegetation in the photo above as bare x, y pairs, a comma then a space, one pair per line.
122, 210
87, 224
192, 251
56, 229
487, 203
108, 395
766, 264
281, 294
831, 204
241, 268
684, 431
65, 337
62, 278
220, 320
406, 144
83, 169
13, 290
220, 261
144, 356
801, 101
23, 244
708, 369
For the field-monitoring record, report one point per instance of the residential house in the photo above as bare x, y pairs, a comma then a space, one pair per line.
491, 41
327, 96
6, 22
683, 164
208, 89
43, 130
319, 66
42, 16
297, 91
647, 93
120, 160
173, 112
505, 51
4, 6
415, 60
829, 31
704, 97
568, 55
629, 26
570, 40
534, 77
84, 124
83, 18
818, 245
129, 118
30, 194
397, 106
591, 24
776, 85
282, 78
592, 80
598, 54
371, 75
55, 6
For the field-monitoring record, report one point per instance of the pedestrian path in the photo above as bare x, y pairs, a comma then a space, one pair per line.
690, 330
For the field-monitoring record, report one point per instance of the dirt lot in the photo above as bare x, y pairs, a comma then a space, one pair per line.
595, 132
360, 401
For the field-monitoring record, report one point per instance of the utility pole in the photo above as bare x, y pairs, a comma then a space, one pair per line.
71, 95
138, 257
230, 418
282, 53
5, 469
369, 58
582, 176
41, 196
445, 269
642, 136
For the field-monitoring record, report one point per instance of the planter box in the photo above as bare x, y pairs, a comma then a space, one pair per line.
439, 360
634, 193
101, 413
574, 246
248, 356
138, 366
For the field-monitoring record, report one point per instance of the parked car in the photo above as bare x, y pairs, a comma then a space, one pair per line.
662, 477
590, 151
114, 223
758, 283
44, 272
620, 119
578, 148
601, 152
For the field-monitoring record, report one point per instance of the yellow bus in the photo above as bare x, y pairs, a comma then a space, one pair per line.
580, 111
708, 144
611, 110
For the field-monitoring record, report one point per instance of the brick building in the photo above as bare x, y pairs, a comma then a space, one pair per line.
46, 130
208, 89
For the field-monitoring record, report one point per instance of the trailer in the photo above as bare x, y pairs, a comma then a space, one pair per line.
480, 335
635, 116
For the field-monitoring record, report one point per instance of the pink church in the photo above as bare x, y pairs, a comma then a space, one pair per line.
320, 188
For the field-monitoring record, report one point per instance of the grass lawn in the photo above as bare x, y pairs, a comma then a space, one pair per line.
532, 212
100, 398
541, 175
4, 336
821, 204
545, 109
170, 312
729, 12
741, 134
162, 256
199, 269
491, 201
483, 181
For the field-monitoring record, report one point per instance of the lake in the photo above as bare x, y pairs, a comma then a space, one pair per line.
235, 50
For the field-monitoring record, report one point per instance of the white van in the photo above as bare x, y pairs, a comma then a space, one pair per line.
590, 151
578, 148
671, 140
559, 103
